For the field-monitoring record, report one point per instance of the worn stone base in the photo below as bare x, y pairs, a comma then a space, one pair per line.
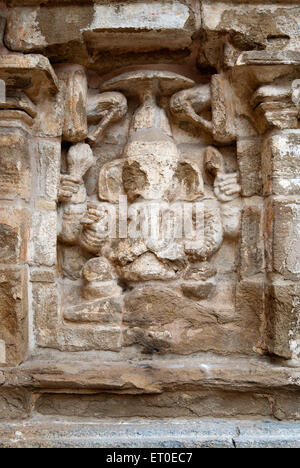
53, 386
182, 433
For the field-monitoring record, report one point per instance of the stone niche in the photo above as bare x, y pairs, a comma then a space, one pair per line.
149, 212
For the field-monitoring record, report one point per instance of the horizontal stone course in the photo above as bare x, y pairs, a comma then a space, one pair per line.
108, 341
102, 26
73, 370
141, 433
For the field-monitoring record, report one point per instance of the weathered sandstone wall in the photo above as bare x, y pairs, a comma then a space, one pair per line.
149, 209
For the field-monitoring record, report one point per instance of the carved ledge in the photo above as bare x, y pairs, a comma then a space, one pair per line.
267, 58
32, 73
143, 377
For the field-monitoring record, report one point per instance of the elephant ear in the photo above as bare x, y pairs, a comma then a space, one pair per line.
188, 181
110, 185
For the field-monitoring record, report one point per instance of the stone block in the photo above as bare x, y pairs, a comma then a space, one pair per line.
222, 110
281, 164
287, 406
45, 309
250, 310
282, 319
14, 404
252, 240
88, 337
14, 313
249, 162
201, 403
148, 26
14, 235
29, 72
286, 239
48, 156
85, 328
75, 118
253, 26
15, 165
42, 275
160, 321
43, 238
102, 311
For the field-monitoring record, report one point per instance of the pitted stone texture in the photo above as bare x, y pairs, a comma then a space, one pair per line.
14, 404
15, 165
75, 118
86, 28
286, 239
87, 348
43, 275
43, 238
48, 154
32, 72
14, 313
281, 164
252, 240
86, 337
250, 298
222, 110
45, 304
160, 321
282, 314
200, 403
14, 235
274, 27
249, 162
142, 433
103, 311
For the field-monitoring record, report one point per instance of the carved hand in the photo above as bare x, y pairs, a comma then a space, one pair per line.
69, 186
93, 233
93, 215
80, 159
226, 186
213, 237
91, 239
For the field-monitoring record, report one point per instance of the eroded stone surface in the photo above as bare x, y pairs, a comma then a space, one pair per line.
281, 164
286, 239
149, 212
14, 313
91, 29
15, 168
14, 404
283, 330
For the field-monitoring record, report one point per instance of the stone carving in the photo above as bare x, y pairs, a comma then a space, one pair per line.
189, 104
278, 102
31, 95
214, 98
75, 117
149, 212
100, 279
106, 108
160, 186
72, 191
